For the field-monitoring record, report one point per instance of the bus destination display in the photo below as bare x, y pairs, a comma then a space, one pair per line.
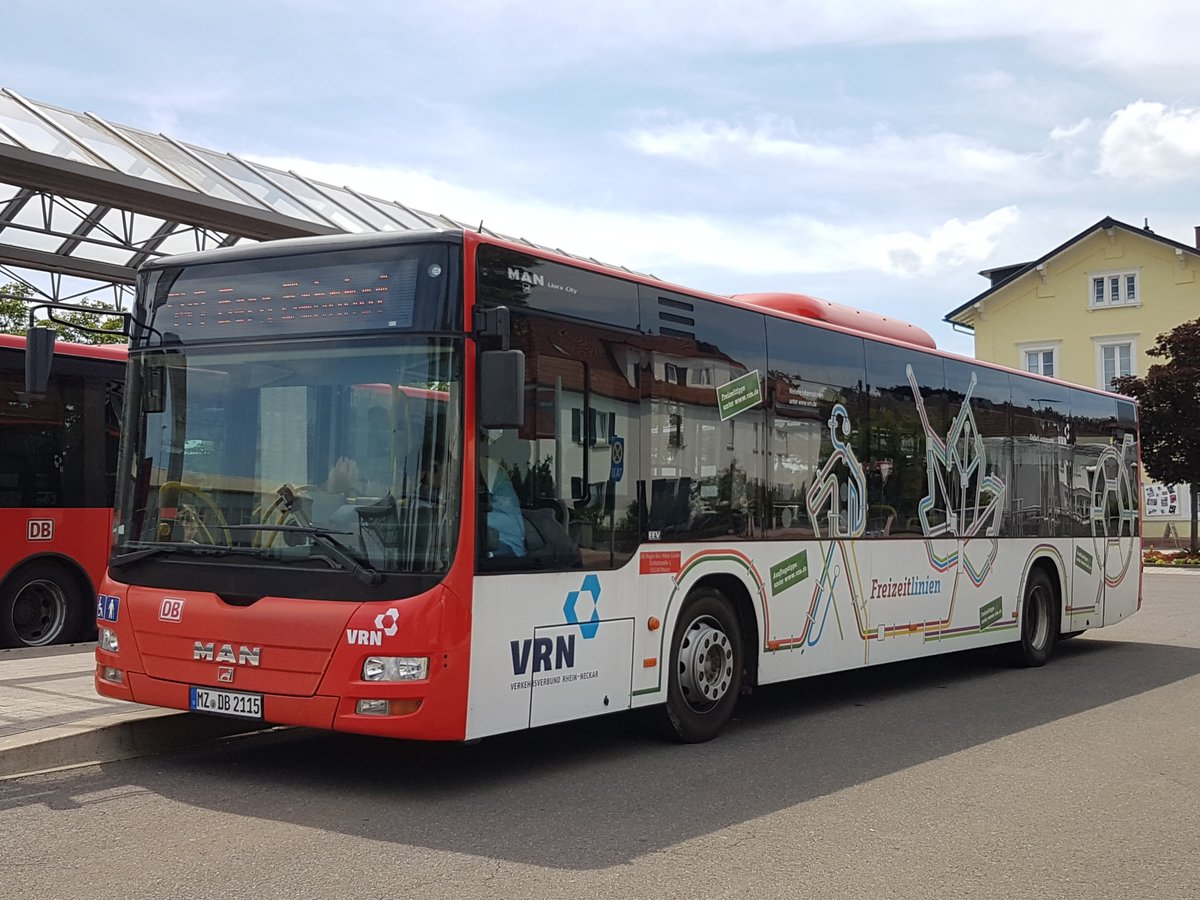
207, 305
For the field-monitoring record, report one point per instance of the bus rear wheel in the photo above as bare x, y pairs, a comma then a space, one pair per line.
40, 604
1038, 622
705, 670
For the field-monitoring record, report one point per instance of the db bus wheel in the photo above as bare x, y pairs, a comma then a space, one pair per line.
40, 605
1038, 622
706, 663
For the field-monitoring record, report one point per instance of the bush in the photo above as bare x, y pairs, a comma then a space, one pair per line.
1171, 558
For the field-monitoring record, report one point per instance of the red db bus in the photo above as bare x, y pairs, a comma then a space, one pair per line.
441, 486
58, 462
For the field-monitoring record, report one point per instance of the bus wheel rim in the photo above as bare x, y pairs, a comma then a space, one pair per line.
705, 664
39, 612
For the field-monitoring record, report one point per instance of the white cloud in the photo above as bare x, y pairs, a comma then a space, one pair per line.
709, 142
1100, 34
948, 246
1151, 142
883, 156
994, 80
1070, 132
660, 242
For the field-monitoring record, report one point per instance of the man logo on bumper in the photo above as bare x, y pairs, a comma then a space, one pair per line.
245, 656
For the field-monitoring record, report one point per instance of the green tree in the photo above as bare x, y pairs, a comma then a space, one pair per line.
1168, 398
71, 324
14, 314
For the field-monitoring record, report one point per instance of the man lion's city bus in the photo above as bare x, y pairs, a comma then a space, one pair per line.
58, 459
442, 486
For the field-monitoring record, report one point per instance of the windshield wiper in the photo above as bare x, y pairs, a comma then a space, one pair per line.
122, 559
323, 537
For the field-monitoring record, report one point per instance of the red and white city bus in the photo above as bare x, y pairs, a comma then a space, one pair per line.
442, 486
58, 461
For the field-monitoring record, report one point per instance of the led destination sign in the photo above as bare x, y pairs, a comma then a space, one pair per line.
340, 292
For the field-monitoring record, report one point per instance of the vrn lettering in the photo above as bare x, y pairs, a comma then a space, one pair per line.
547, 654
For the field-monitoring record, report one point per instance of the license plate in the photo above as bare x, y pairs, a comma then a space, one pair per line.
226, 703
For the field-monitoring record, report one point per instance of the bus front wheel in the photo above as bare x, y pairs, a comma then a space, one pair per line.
41, 604
1038, 623
705, 670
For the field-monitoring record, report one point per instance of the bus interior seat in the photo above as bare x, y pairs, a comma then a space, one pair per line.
548, 544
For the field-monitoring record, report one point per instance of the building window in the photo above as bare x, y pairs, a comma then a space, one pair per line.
1040, 362
1114, 289
1041, 359
1114, 358
675, 430
597, 428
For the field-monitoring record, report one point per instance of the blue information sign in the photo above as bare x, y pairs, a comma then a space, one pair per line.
618, 458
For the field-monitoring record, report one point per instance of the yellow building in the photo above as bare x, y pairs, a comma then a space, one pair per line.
1088, 311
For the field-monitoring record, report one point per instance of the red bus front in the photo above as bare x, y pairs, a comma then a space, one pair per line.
294, 533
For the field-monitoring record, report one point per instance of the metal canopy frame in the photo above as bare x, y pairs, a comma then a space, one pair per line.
84, 202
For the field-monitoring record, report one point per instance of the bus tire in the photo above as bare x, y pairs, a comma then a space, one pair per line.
704, 676
1038, 623
41, 604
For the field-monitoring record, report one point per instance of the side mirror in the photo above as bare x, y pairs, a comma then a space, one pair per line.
501, 388
39, 354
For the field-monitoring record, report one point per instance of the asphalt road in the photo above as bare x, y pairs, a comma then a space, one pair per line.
946, 778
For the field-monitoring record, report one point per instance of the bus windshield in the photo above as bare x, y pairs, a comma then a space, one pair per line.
333, 455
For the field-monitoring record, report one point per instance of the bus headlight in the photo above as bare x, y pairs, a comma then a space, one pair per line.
395, 668
108, 640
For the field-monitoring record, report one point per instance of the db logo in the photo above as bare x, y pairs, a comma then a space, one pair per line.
39, 530
171, 610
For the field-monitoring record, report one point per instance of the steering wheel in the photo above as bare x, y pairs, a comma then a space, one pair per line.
194, 529
171, 494
285, 509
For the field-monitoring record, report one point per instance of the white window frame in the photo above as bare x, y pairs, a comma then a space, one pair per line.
1114, 340
1123, 296
1024, 348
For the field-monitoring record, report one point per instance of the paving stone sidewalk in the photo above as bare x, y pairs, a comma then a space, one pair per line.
51, 716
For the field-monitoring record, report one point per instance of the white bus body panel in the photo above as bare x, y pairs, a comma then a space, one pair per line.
549, 647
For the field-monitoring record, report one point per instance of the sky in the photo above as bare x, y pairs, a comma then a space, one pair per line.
877, 153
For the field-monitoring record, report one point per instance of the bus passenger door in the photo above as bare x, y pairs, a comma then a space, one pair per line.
1123, 546
1089, 440
582, 670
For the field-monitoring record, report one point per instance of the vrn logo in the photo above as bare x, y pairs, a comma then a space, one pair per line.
546, 653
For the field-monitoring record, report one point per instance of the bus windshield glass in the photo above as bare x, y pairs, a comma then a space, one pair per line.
331, 455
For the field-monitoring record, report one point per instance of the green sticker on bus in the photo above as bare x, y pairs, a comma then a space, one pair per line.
791, 571
739, 395
1083, 560
991, 613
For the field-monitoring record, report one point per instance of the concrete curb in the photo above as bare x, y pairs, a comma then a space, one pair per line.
107, 738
